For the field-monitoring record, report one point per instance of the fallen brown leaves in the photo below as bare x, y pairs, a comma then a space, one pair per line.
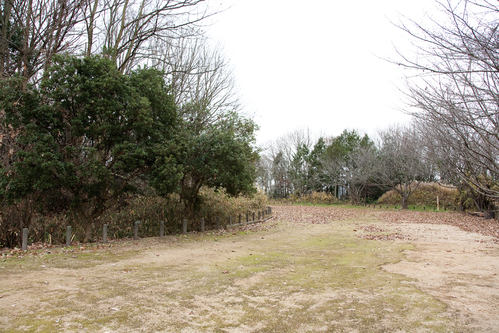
465, 222
310, 215
384, 237
371, 228
380, 237
314, 215
321, 215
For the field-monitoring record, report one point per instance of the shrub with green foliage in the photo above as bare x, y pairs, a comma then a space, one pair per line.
88, 137
85, 135
221, 156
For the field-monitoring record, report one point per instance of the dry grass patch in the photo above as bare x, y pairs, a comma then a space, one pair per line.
294, 277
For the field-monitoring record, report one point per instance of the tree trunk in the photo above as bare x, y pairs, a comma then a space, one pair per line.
4, 37
24, 68
404, 201
90, 29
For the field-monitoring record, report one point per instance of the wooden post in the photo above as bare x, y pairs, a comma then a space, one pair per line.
202, 224
161, 228
259, 215
247, 217
230, 220
239, 219
104, 233
136, 230
25, 239
218, 222
253, 216
184, 226
68, 235
438, 204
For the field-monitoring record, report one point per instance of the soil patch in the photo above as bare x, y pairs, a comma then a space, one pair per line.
310, 269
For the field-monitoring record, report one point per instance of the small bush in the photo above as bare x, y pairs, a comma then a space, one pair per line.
217, 204
425, 195
22, 214
148, 209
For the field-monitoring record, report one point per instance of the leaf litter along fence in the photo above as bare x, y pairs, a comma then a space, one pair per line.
261, 216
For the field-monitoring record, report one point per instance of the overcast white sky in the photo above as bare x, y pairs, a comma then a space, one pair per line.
316, 64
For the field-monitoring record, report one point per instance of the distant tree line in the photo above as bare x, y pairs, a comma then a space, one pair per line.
359, 169
452, 93
100, 100
350, 166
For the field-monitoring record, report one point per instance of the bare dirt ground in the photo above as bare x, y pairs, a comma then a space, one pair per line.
458, 268
309, 269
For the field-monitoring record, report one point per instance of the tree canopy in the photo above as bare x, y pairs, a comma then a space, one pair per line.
77, 132
88, 132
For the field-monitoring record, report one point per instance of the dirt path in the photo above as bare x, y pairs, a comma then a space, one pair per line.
310, 269
459, 268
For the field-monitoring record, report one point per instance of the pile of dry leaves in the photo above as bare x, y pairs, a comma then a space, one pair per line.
313, 214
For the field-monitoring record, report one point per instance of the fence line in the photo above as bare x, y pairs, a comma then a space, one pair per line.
261, 218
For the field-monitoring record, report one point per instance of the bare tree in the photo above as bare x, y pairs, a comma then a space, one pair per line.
289, 162
449, 158
359, 172
5, 36
127, 30
33, 31
264, 173
331, 172
401, 164
201, 78
456, 95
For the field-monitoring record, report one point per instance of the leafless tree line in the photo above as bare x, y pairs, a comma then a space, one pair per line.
129, 31
347, 165
166, 35
455, 92
277, 172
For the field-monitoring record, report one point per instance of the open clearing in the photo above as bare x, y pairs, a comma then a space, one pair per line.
310, 269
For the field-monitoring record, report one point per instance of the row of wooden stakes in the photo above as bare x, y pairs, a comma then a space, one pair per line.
262, 216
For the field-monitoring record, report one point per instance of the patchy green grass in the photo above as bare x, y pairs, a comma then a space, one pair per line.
292, 278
